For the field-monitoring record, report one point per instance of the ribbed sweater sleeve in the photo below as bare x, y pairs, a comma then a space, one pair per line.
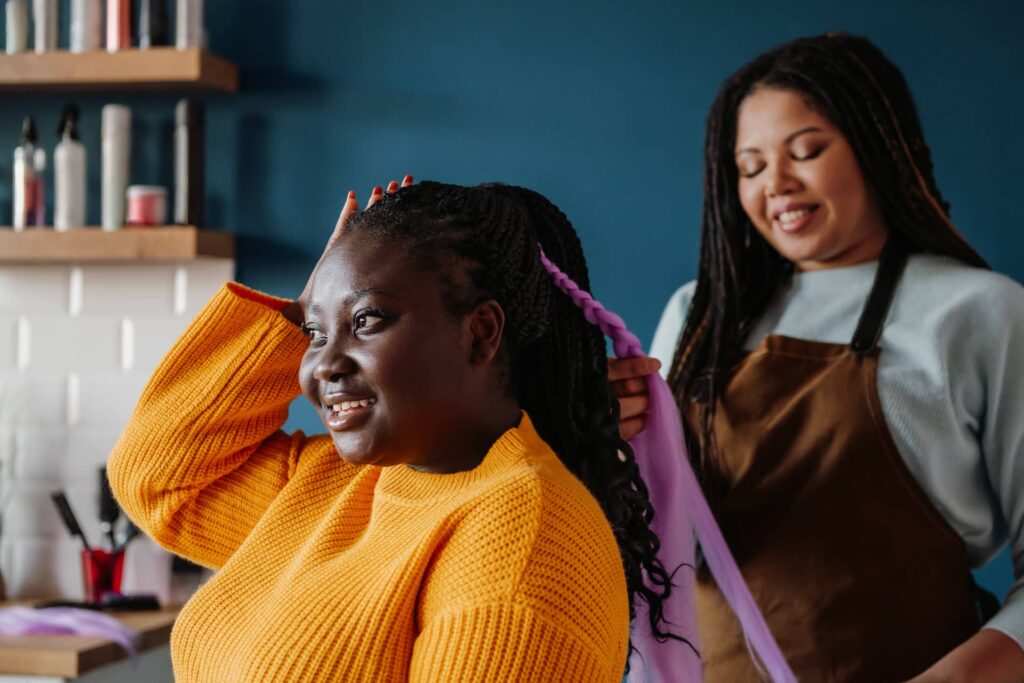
202, 456
504, 642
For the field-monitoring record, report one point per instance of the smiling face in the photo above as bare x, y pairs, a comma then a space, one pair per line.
394, 375
801, 185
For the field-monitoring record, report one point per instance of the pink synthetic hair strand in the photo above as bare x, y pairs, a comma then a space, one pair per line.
681, 512
25, 621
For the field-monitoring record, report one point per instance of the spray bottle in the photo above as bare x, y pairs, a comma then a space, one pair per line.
69, 174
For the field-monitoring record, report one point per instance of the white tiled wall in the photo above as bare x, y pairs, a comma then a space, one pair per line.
77, 344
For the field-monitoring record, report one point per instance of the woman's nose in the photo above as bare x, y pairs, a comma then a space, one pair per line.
779, 180
334, 364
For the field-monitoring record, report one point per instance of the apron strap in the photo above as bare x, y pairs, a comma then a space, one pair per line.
872, 318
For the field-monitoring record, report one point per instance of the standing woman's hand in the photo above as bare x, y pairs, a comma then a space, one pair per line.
626, 376
295, 311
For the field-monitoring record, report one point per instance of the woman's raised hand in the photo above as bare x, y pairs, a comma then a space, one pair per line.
626, 378
295, 310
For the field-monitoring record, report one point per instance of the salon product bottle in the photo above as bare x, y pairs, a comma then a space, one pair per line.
86, 25
189, 152
44, 16
38, 215
119, 25
116, 153
24, 173
69, 174
153, 23
189, 25
17, 26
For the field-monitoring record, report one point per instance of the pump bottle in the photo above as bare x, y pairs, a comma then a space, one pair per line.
69, 174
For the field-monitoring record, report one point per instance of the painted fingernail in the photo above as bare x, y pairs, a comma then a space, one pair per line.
351, 194
407, 179
377, 189
392, 186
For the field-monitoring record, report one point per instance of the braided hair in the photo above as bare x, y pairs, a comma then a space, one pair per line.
482, 242
850, 81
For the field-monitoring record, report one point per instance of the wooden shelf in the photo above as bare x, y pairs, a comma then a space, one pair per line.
155, 69
172, 243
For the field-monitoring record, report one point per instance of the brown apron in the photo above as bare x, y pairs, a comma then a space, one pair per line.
858, 575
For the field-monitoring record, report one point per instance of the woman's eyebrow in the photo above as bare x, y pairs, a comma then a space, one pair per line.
358, 294
351, 298
792, 136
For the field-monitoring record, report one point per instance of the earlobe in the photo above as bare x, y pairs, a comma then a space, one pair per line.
486, 327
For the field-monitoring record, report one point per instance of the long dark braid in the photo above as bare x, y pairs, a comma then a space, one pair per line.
483, 242
849, 81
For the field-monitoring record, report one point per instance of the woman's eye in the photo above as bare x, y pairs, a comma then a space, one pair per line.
813, 154
366, 320
750, 172
317, 337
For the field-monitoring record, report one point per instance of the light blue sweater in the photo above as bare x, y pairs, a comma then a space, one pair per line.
950, 381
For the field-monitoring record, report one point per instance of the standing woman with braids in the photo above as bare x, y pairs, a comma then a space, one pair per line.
852, 378
471, 514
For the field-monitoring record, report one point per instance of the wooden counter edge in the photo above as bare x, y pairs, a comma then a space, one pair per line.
72, 656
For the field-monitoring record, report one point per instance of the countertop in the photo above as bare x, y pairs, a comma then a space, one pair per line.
71, 656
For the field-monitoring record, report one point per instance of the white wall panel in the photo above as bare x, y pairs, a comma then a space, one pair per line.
128, 290
77, 345
40, 289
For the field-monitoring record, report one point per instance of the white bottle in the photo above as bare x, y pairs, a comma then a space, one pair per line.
69, 174
17, 26
189, 27
24, 173
117, 147
86, 25
119, 25
44, 16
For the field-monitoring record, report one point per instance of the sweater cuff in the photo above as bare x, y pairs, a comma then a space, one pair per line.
267, 300
1010, 619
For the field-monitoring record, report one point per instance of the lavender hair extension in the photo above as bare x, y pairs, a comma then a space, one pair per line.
680, 512
25, 621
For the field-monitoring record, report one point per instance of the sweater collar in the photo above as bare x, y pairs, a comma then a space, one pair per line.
402, 481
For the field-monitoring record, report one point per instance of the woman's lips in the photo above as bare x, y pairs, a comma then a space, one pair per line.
348, 414
794, 221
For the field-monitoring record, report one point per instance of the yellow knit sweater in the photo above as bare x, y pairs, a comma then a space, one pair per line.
333, 572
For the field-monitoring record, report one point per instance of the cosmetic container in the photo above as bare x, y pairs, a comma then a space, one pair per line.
119, 25
116, 160
86, 25
189, 25
147, 205
44, 17
152, 23
24, 174
69, 166
16, 13
189, 144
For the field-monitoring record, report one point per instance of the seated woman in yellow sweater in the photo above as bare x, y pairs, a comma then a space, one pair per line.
484, 521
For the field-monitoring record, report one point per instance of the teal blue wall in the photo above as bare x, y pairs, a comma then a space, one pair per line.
599, 105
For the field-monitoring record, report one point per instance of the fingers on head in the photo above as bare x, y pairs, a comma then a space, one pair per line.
375, 196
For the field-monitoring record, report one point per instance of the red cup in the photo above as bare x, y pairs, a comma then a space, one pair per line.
101, 573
